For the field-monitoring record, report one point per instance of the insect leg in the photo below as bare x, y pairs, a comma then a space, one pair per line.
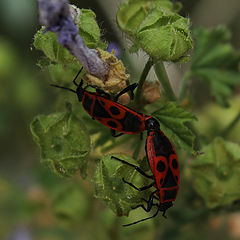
136, 167
69, 89
148, 209
139, 189
113, 133
101, 92
74, 80
150, 203
127, 89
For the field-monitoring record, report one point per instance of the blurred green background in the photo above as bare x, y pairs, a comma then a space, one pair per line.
32, 200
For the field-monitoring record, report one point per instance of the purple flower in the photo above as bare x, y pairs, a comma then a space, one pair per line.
114, 46
55, 15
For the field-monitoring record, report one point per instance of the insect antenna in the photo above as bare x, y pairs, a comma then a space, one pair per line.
126, 225
69, 89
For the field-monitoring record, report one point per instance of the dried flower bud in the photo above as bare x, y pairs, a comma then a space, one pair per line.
124, 99
151, 91
116, 77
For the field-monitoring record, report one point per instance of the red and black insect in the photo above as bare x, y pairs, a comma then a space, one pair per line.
164, 165
108, 112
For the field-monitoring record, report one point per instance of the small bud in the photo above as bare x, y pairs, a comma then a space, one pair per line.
151, 91
156, 28
124, 99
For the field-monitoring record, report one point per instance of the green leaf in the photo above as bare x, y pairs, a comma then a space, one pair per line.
216, 62
62, 73
110, 188
221, 82
48, 43
63, 141
89, 29
156, 28
210, 45
217, 173
172, 119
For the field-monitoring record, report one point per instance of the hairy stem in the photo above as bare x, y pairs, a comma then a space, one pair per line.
138, 96
164, 80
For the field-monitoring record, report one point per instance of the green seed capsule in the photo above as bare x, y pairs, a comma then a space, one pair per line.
156, 28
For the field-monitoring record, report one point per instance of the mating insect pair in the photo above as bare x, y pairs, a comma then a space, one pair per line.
160, 152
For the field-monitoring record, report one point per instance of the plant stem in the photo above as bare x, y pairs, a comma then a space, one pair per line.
231, 125
138, 96
184, 85
164, 80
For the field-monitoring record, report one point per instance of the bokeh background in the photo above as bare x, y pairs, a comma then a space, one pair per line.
29, 193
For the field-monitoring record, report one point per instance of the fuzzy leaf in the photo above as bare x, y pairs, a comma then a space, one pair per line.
217, 173
48, 43
172, 119
216, 62
64, 142
89, 29
221, 82
110, 188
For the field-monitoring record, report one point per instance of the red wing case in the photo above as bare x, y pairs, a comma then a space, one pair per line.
164, 165
113, 114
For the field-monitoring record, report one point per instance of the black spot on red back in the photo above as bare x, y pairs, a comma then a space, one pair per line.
112, 124
161, 166
131, 122
114, 110
169, 180
99, 111
174, 164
